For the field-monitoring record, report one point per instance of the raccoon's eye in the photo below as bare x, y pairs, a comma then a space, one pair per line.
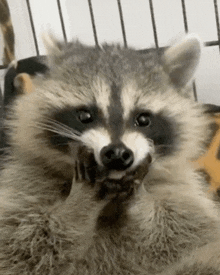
143, 120
85, 116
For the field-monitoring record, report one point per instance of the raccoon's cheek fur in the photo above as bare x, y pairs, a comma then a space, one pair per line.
124, 154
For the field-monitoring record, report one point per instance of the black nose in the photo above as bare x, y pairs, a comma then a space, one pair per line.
117, 157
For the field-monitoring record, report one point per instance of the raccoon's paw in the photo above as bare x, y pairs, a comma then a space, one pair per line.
84, 172
108, 184
120, 189
86, 168
123, 184
106, 188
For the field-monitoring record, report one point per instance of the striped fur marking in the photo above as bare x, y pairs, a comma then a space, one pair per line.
115, 122
102, 95
8, 33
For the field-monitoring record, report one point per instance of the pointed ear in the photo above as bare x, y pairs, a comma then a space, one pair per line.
54, 48
52, 44
23, 84
180, 61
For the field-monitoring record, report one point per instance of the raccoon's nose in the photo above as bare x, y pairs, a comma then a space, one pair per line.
117, 157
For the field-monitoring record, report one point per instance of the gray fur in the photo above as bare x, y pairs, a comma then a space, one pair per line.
168, 223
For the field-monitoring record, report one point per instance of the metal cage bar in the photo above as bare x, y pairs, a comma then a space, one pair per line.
94, 28
32, 26
184, 16
153, 23
61, 20
217, 21
122, 23
93, 22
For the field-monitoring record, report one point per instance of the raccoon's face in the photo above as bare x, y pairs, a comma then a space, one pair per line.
118, 143
122, 108
120, 134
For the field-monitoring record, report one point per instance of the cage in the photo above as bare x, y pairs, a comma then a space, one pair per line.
140, 24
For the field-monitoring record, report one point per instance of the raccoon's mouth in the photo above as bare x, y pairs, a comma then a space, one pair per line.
110, 181
116, 175
138, 173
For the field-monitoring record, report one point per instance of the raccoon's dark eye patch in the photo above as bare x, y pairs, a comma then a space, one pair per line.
79, 118
158, 127
143, 119
70, 122
85, 116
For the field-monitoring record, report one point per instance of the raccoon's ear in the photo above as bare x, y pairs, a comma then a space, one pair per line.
23, 84
51, 43
180, 61
54, 48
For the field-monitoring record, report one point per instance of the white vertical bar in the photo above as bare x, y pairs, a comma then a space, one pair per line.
201, 18
169, 20
46, 19
77, 20
138, 24
207, 76
107, 21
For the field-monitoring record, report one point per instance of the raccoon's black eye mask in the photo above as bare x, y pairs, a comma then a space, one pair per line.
79, 119
157, 127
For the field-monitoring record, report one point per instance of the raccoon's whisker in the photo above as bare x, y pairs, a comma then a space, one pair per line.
164, 146
62, 126
69, 133
62, 131
57, 125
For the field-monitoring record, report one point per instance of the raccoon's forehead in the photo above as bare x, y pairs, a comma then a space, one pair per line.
115, 99
155, 99
115, 80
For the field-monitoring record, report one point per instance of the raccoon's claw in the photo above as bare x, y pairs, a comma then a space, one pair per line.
86, 168
83, 172
79, 171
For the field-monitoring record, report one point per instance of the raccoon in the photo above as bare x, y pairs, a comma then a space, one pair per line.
99, 178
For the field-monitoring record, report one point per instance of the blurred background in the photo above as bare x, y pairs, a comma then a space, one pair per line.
140, 24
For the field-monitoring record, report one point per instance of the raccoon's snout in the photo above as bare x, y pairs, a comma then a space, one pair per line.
116, 157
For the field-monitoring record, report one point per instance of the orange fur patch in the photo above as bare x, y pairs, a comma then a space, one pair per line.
209, 161
23, 84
